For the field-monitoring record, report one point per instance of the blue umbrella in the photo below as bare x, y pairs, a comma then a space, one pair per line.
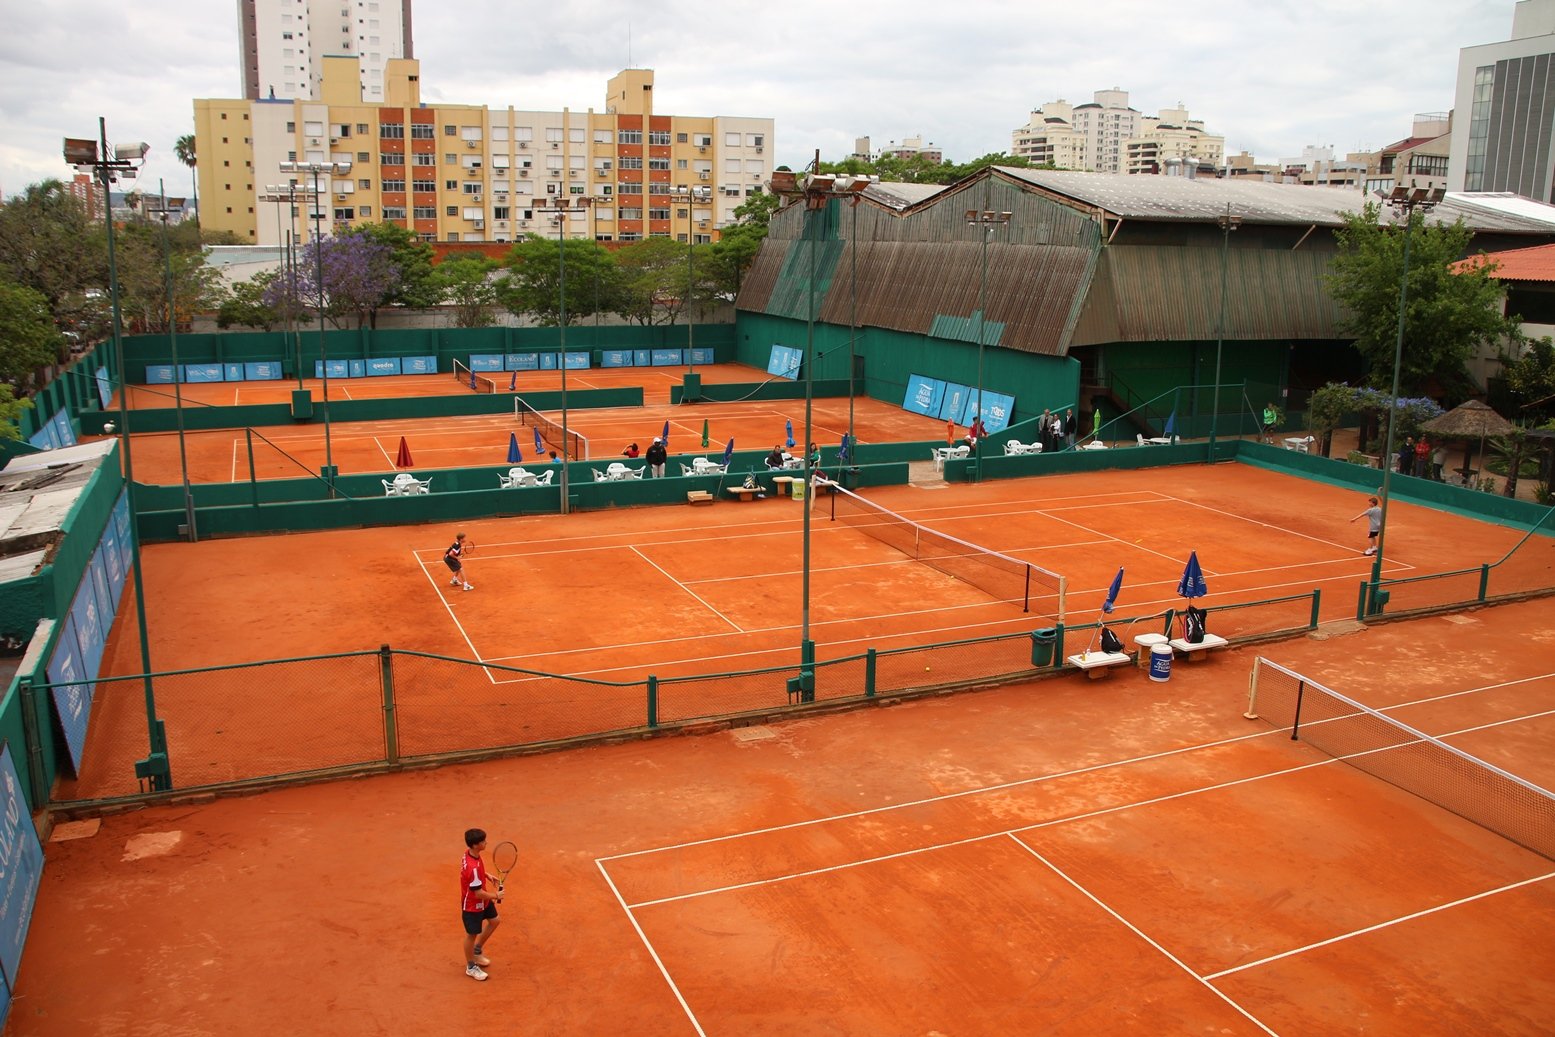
843, 451
729, 452
789, 432
539, 443
513, 382
666, 436
1113, 592
514, 456
1192, 584
1171, 425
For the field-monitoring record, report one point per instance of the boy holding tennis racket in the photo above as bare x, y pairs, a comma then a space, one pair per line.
451, 558
478, 904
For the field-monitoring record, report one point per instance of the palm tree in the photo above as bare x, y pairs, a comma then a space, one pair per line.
184, 149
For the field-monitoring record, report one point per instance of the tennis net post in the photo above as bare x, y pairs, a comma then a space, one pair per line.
472, 381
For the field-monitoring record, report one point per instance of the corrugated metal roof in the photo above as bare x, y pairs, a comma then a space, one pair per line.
37, 493
1518, 264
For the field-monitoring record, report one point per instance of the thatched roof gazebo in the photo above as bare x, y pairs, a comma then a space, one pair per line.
1471, 420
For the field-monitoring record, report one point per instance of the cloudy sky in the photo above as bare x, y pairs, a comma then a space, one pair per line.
1269, 77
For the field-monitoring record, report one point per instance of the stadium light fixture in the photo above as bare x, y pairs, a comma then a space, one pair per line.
124, 164
164, 211
560, 206
290, 194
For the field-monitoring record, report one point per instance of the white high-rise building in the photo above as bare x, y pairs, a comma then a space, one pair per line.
1091, 137
283, 44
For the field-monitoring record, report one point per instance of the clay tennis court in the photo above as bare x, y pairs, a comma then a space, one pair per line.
1063, 857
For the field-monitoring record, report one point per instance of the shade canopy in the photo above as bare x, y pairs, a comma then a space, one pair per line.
1471, 420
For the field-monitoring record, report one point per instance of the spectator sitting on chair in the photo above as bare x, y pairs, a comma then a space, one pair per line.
630, 451
554, 458
814, 457
656, 457
775, 459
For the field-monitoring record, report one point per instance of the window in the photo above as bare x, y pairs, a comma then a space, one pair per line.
755, 140
451, 185
500, 212
394, 212
423, 159
424, 185
658, 137
575, 135
361, 129
421, 131
473, 187
366, 185
291, 127
344, 213
702, 140
628, 187
631, 162
680, 138
659, 188
731, 140
680, 163
450, 131
452, 210
425, 212
395, 186
391, 158
659, 163
392, 131
364, 211
629, 137
658, 214
601, 136
631, 214
449, 159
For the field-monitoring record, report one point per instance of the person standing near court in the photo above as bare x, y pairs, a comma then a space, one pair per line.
1271, 418
1373, 515
1423, 459
630, 451
477, 904
1438, 459
1071, 428
1045, 430
656, 456
1406, 456
453, 558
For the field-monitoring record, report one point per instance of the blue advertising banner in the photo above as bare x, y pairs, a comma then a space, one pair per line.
262, 371
701, 355
642, 358
578, 359
669, 357
522, 361
232, 373
202, 373
46, 438
954, 402
548, 362
21, 870
107, 604
63, 430
785, 362
357, 368
121, 522
72, 693
158, 374
923, 395
382, 365
615, 358
89, 630
997, 409
104, 386
113, 562
486, 361
337, 368
418, 365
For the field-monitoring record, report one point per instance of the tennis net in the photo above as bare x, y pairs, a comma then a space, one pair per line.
1032, 587
550, 431
472, 381
1405, 757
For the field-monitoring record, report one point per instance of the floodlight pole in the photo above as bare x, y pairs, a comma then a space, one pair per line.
691, 241
95, 158
287, 193
1405, 200
315, 168
178, 396
988, 220
1228, 223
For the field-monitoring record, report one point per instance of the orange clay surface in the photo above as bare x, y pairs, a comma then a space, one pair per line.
1064, 857
615, 596
292, 452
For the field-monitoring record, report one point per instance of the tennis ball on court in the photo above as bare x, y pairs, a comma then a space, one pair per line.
925, 669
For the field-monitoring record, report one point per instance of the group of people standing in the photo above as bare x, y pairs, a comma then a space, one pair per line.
1421, 458
1057, 431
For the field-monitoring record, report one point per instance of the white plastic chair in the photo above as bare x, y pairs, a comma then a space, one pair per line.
543, 479
392, 489
599, 476
1139, 438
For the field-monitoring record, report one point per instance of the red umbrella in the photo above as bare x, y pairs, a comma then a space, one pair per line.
402, 459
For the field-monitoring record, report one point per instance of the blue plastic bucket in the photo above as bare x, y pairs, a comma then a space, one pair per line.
1161, 662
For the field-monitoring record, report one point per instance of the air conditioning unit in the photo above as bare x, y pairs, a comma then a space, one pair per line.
523, 172
758, 151
334, 140
502, 196
523, 223
702, 176
701, 223
341, 197
555, 144
702, 148
523, 145
478, 224
502, 224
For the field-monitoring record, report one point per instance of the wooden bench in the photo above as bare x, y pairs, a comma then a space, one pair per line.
1188, 650
1099, 664
745, 492
699, 497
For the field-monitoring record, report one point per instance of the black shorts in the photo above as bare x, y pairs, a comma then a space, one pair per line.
473, 919
453, 563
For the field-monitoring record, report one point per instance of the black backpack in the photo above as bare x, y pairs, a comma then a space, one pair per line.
1193, 625
1110, 642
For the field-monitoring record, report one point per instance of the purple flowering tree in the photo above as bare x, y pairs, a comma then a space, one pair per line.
358, 274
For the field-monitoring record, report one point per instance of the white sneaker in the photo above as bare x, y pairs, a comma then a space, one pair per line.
1371, 550
469, 586
474, 971
454, 582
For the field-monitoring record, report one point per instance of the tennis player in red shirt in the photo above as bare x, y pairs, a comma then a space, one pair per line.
478, 904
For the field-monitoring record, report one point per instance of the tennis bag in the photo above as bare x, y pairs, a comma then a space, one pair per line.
1193, 625
1110, 642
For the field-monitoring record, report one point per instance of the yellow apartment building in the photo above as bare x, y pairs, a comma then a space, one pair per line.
471, 172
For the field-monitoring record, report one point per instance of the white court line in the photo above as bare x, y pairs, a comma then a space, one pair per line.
1381, 925
379, 444
234, 477
1168, 955
701, 600
1266, 525
448, 605
651, 952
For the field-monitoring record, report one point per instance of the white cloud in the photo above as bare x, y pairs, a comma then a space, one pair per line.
1269, 78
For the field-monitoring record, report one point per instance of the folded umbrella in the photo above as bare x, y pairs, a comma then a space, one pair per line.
514, 455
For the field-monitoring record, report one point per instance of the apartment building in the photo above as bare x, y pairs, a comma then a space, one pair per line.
1089, 137
1172, 139
1506, 91
282, 44
623, 172
1419, 160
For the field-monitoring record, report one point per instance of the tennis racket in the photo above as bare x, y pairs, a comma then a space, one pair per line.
504, 859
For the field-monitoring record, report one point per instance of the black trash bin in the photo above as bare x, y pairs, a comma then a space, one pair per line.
850, 478
1042, 643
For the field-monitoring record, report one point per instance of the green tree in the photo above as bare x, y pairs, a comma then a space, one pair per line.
48, 244
1450, 313
655, 281
1530, 378
11, 413
184, 151
467, 285
531, 287
1327, 408
30, 339
412, 257
244, 305
732, 254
